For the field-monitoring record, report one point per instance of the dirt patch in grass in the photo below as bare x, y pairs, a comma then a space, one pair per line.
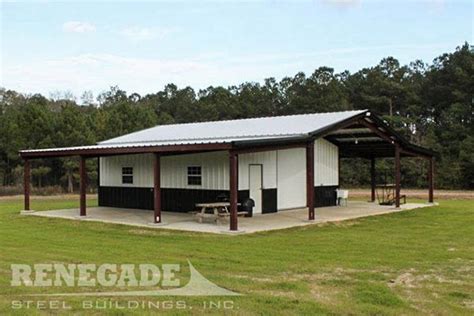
145, 232
428, 291
328, 295
408, 280
469, 304
412, 279
253, 278
346, 223
425, 291
341, 223
286, 294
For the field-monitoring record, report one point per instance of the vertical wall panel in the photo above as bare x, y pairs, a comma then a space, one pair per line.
268, 161
325, 163
291, 178
174, 170
214, 167
111, 170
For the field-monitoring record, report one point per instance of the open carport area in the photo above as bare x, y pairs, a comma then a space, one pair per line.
265, 222
279, 162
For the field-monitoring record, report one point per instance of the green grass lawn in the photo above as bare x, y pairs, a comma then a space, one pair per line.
412, 262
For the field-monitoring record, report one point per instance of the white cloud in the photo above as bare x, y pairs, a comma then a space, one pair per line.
78, 27
97, 72
343, 3
138, 33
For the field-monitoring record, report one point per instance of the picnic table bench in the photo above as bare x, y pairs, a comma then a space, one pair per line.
214, 211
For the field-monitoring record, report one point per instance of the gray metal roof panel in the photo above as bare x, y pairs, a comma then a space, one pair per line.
280, 126
152, 144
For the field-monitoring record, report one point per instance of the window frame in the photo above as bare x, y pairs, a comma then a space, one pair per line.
194, 175
127, 173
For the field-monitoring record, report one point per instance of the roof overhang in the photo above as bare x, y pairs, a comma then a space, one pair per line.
370, 136
96, 151
362, 135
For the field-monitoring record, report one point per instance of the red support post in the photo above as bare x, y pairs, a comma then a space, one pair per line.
397, 176
372, 179
157, 188
26, 184
82, 185
310, 179
233, 183
431, 180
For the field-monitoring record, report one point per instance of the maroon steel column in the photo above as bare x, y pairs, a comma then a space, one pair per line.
310, 179
82, 185
233, 182
431, 180
397, 176
372, 179
26, 184
157, 188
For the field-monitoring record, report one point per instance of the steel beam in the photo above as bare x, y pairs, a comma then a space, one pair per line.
397, 176
233, 187
83, 185
431, 180
157, 188
372, 179
26, 184
310, 179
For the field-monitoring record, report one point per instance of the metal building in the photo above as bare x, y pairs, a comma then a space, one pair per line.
283, 162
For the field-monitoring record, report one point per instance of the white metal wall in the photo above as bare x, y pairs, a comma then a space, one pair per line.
268, 161
214, 168
111, 170
291, 192
174, 170
291, 172
282, 169
326, 163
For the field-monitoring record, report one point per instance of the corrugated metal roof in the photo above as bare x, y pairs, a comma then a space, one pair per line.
278, 126
152, 144
221, 132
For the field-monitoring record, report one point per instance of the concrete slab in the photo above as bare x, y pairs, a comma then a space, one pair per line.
257, 223
25, 212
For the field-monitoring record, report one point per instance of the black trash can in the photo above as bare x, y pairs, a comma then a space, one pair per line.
247, 206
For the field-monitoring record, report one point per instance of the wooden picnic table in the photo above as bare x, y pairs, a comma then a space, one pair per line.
219, 210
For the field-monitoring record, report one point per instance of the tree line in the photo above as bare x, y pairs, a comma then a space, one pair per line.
431, 104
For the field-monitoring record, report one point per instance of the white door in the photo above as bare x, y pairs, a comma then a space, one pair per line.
255, 186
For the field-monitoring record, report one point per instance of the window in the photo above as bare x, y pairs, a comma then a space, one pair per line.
127, 175
194, 175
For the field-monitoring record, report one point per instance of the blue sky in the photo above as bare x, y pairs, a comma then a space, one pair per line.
141, 46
